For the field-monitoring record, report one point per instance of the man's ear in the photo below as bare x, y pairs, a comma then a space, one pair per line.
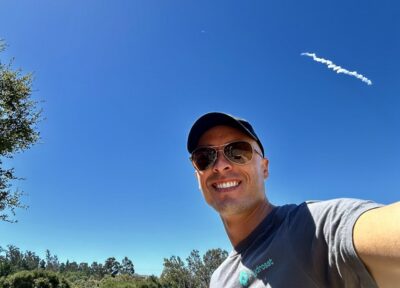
265, 163
197, 175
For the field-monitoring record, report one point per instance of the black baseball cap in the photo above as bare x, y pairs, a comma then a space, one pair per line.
212, 119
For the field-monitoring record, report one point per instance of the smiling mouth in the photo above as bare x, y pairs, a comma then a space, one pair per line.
226, 185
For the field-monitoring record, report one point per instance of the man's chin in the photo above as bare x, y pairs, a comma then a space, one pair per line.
230, 207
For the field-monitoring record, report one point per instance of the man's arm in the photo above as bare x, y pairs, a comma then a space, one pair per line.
376, 237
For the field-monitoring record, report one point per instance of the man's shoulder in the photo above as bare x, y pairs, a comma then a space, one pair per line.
337, 201
340, 205
225, 271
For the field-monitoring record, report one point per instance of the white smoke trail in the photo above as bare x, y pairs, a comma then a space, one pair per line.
338, 69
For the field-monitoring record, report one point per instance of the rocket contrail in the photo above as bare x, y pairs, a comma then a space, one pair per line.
338, 69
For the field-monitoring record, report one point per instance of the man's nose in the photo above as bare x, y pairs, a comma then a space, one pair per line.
221, 163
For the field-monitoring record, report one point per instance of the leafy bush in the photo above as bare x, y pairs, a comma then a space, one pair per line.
34, 279
121, 281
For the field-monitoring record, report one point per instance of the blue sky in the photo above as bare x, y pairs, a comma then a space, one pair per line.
122, 82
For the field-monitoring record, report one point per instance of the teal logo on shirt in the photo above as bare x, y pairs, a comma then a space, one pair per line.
246, 276
263, 266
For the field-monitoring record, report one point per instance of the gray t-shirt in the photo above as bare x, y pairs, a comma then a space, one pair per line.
306, 245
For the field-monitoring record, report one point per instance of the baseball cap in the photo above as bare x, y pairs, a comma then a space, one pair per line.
212, 119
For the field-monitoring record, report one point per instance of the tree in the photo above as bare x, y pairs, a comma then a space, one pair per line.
127, 267
176, 274
97, 269
202, 268
14, 257
84, 268
52, 262
42, 264
197, 273
196, 267
212, 259
14, 260
30, 261
111, 266
71, 266
19, 116
5, 266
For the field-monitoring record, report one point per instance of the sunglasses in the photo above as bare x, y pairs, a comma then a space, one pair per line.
238, 152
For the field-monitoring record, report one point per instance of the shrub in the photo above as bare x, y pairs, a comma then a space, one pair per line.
34, 279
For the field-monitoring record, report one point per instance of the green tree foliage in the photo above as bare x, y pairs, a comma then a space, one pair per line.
5, 267
97, 270
30, 261
127, 281
24, 269
18, 119
111, 265
117, 282
34, 279
149, 282
84, 268
86, 283
211, 260
197, 269
42, 264
71, 266
127, 267
14, 256
52, 261
197, 273
14, 260
176, 274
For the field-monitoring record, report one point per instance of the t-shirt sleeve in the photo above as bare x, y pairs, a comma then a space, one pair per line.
334, 221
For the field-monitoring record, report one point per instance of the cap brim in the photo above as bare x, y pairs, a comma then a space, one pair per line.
210, 120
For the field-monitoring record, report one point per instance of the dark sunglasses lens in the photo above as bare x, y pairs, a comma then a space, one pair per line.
239, 152
203, 158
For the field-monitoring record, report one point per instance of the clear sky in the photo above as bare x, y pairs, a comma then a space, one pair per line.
122, 82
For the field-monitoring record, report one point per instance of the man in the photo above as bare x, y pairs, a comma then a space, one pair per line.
336, 243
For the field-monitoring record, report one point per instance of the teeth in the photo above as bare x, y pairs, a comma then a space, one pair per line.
227, 184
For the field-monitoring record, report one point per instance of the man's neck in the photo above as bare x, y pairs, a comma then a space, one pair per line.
238, 227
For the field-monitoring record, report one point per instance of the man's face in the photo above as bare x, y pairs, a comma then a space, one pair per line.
230, 188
